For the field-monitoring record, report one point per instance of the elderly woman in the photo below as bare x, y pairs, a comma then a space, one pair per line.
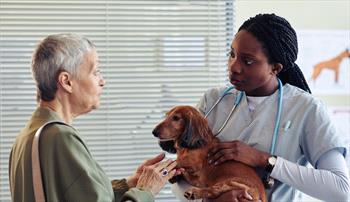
66, 70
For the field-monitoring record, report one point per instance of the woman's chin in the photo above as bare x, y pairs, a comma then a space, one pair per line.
91, 107
238, 87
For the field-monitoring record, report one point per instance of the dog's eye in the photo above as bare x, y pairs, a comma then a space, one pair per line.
176, 118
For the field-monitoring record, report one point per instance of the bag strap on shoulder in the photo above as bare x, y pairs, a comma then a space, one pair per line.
36, 169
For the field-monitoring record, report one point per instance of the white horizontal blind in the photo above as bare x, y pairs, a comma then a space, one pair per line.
154, 54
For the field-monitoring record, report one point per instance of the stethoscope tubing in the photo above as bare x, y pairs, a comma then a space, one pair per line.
278, 118
226, 92
236, 103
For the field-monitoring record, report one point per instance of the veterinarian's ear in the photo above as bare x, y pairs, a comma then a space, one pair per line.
276, 68
64, 80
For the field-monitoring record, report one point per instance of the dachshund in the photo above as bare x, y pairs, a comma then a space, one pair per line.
332, 64
186, 132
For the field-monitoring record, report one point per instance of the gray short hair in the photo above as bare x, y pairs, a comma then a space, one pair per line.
54, 54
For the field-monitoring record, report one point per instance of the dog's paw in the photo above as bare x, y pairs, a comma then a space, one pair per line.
193, 193
189, 195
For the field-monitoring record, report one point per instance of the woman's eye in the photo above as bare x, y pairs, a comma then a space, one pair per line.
97, 72
248, 61
231, 54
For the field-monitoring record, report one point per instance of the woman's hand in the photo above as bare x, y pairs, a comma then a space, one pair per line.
132, 180
233, 195
238, 151
154, 177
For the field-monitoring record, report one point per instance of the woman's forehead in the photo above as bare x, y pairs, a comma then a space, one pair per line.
245, 42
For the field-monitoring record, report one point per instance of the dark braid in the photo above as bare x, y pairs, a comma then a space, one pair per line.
280, 45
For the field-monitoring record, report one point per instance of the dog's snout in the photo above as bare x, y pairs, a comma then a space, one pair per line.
155, 132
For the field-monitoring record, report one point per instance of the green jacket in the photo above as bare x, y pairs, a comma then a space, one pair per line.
69, 171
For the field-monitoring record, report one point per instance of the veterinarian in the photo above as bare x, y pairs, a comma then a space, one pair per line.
270, 120
69, 83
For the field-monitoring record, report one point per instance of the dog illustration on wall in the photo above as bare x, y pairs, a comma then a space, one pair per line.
186, 132
332, 64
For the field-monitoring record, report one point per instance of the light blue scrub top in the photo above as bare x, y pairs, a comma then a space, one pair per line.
309, 135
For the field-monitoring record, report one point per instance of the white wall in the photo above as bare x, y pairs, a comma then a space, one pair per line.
303, 15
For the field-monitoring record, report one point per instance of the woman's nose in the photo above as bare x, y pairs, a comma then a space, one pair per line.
233, 65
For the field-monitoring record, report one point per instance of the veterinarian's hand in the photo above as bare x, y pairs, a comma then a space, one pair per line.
233, 195
132, 180
238, 151
154, 177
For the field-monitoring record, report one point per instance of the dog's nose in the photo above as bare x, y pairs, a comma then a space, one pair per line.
155, 132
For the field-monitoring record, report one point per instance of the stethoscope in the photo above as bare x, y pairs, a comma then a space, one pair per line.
236, 103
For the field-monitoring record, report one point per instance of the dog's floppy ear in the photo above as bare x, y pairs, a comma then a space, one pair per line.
187, 135
191, 138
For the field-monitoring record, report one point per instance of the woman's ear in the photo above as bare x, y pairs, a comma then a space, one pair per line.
65, 81
276, 68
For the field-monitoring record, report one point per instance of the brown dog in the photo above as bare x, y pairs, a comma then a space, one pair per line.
332, 64
186, 132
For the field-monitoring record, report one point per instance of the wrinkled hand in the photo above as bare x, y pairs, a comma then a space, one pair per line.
132, 180
153, 177
236, 195
238, 151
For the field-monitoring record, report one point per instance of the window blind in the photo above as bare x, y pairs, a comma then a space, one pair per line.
154, 54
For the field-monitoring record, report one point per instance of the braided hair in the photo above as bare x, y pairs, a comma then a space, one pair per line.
280, 45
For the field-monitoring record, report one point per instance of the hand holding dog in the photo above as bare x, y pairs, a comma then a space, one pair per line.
238, 151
